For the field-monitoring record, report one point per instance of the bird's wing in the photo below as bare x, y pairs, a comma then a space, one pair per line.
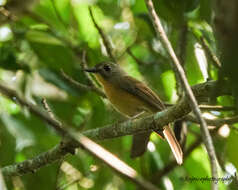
139, 89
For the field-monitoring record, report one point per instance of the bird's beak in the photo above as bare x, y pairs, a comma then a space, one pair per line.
92, 70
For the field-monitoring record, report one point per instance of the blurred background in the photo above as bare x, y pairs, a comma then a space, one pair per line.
41, 38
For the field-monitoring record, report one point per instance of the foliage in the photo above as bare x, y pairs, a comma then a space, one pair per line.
48, 36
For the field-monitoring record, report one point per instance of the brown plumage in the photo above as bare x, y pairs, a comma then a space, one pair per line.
131, 97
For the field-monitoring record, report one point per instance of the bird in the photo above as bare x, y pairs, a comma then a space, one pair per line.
133, 98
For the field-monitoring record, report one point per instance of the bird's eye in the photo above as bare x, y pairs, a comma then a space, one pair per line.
107, 68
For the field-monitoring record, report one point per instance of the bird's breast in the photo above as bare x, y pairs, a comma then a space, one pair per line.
126, 103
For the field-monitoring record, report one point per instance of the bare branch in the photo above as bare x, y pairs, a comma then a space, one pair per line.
215, 122
83, 86
139, 62
31, 165
105, 40
84, 66
47, 108
192, 101
216, 108
209, 53
211, 107
83, 142
89, 77
91, 87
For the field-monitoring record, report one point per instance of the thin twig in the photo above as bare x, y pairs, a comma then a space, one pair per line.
76, 51
105, 40
47, 108
84, 65
139, 62
216, 108
211, 107
192, 101
209, 53
81, 141
180, 126
215, 122
64, 139
83, 86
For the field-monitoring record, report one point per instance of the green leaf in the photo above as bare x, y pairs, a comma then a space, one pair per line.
42, 27
42, 38
87, 30
231, 143
51, 51
205, 10
9, 106
24, 137
169, 83
45, 176
192, 68
54, 77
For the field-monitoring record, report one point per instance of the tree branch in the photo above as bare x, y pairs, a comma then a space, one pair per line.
47, 108
103, 36
82, 86
210, 54
138, 61
111, 131
84, 66
79, 140
215, 122
192, 101
211, 107
216, 108
39, 161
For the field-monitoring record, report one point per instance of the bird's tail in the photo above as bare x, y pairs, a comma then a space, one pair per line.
174, 144
139, 144
140, 141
